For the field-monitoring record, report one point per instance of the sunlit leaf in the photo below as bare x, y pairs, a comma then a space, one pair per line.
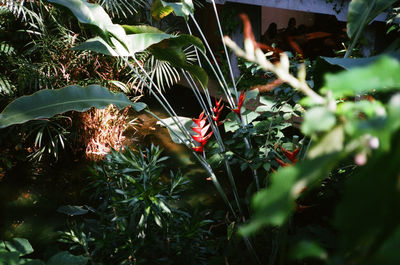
184, 8
159, 11
47, 103
382, 76
174, 130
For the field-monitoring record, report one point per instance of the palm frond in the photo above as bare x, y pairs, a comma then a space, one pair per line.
6, 49
122, 8
29, 15
162, 73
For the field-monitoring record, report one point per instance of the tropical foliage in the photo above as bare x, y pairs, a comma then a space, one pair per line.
299, 170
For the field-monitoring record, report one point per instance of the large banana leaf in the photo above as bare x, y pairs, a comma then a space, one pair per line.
47, 103
134, 42
361, 12
94, 15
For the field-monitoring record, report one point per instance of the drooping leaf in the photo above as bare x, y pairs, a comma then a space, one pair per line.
159, 11
181, 9
335, 64
47, 103
382, 76
87, 13
94, 15
361, 12
307, 249
73, 210
20, 245
129, 29
174, 130
66, 258
97, 44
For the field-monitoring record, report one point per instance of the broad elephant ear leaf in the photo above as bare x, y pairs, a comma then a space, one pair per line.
47, 103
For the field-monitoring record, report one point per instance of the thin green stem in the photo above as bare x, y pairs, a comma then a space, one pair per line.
225, 49
225, 87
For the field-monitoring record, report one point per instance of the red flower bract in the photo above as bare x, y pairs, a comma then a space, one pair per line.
217, 111
201, 129
289, 155
241, 100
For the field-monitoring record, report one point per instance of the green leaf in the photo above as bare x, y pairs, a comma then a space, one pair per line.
97, 44
331, 142
174, 130
171, 50
369, 208
129, 29
94, 15
273, 205
382, 76
231, 123
47, 103
388, 252
307, 249
87, 13
66, 258
335, 64
20, 245
159, 11
361, 12
72, 210
9, 257
182, 9
230, 230
134, 42
318, 119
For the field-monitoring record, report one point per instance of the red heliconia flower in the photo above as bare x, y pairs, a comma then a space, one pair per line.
201, 129
282, 163
241, 100
217, 111
289, 155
